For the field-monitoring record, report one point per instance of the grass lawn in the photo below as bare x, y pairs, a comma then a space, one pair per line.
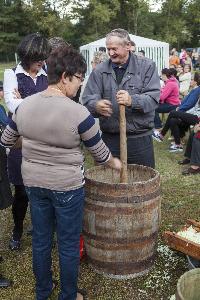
180, 201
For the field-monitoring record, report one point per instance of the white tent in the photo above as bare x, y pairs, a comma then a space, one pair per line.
156, 50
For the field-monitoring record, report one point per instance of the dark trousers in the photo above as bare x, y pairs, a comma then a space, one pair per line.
192, 150
179, 122
188, 149
162, 108
19, 209
139, 149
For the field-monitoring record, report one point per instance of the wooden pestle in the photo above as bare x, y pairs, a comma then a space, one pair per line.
123, 144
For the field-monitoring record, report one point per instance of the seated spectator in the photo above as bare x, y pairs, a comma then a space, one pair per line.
174, 73
169, 97
188, 59
185, 79
179, 121
174, 59
141, 53
192, 152
179, 70
195, 56
182, 56
172, 67
102, 49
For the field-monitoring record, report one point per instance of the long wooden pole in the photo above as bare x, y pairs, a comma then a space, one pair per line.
123, 144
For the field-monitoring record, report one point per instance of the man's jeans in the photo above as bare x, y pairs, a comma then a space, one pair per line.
162, 108
65, 209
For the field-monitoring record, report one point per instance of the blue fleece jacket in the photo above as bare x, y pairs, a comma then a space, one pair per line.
3, 116
190, 100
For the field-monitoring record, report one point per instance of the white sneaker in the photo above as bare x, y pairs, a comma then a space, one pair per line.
175, 148
157, 137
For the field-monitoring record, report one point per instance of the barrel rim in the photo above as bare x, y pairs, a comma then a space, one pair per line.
190, 273
121, 185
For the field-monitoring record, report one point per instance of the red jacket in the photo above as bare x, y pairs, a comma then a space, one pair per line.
170, 92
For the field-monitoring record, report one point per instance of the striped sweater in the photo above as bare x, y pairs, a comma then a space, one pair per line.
53, 128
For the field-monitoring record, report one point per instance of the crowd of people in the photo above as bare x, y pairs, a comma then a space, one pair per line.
189, 57
180, 99
49, 118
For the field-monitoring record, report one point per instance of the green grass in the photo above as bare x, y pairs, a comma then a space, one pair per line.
180, 201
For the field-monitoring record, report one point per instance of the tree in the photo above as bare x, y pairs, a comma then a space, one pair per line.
14, 23
172, 23
193, 22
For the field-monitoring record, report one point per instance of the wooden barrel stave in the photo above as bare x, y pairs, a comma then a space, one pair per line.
121, 221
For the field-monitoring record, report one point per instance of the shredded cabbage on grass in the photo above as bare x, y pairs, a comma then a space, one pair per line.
190, 234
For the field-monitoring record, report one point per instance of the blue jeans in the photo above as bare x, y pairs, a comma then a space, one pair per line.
65, 209
162, 108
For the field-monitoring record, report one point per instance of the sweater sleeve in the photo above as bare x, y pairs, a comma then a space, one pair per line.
90, 135
10, 134
9, 85
165, 92
190, 100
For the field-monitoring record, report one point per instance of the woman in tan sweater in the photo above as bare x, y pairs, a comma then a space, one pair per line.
53, 127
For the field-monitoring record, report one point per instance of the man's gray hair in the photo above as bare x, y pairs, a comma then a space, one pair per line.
121, 33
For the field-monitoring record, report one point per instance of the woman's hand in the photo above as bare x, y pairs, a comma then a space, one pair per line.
16, 94
104, 108
114, 163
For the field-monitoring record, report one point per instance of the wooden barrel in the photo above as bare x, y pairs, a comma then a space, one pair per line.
121, 221
188, 286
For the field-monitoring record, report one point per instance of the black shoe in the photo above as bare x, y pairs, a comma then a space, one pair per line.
191, 171
185, 161
14, 245
1, 259
4, 283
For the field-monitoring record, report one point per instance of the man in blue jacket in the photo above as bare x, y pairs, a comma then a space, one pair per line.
129, 80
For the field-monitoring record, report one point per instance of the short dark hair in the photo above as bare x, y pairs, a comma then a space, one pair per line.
64, 60
102, 49
173, 71
142, 51
197, 78
32, 48
56, 42
167, 72
1, 85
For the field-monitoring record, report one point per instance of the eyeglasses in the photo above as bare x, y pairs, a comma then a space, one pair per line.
79, 77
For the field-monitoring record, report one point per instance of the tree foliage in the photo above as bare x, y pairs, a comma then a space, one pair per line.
176, 22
